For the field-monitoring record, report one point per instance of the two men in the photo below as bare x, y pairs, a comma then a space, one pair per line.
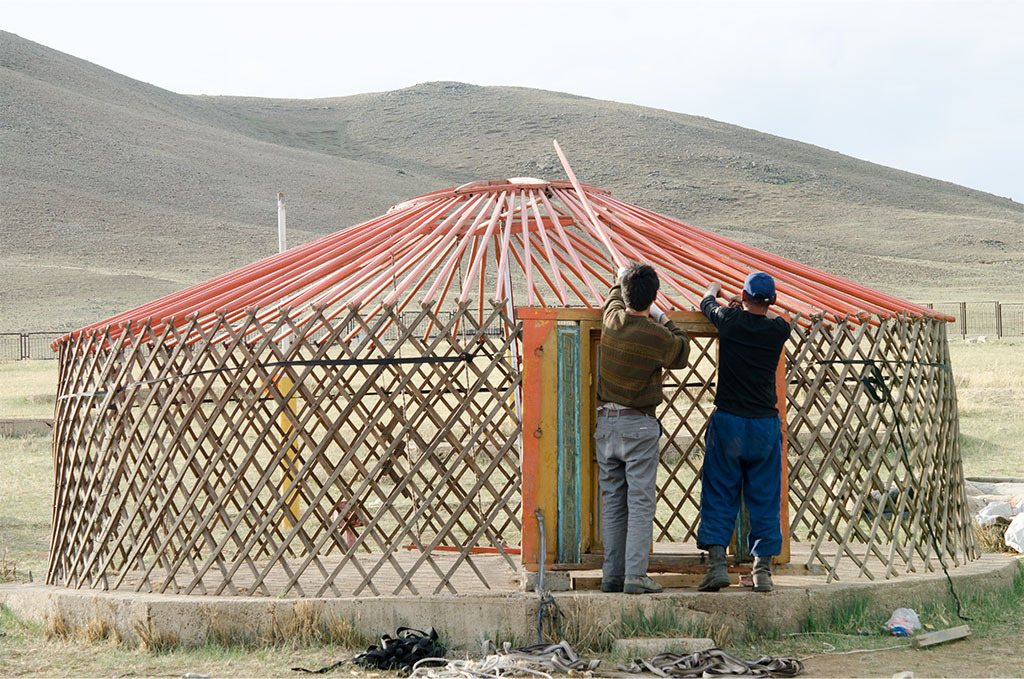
638, 342
743, 443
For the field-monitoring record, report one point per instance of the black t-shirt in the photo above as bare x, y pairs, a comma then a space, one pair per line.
749, 346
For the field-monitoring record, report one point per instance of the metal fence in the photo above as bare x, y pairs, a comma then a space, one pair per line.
18, 346
993, 319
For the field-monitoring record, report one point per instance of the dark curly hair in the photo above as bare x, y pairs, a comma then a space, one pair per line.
640, 286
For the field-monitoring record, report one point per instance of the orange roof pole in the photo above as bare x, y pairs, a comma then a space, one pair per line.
616, 257
743, 254
525, 242
503, 262
703, 271
579, 294
576, 262
635, 252
475, 265
883, 300
459, 216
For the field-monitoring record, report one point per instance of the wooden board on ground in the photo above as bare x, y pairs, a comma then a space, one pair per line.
941, 636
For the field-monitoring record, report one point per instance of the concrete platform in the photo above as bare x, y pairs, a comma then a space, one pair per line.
465, 619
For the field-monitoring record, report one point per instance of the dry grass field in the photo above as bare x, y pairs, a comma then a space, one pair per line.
990, 392
28, 389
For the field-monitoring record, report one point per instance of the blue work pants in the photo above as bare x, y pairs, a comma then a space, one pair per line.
741, 452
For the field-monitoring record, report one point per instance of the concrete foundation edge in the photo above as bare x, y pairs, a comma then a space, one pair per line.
465, 620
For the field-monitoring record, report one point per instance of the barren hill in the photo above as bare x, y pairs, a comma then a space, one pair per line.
116, 192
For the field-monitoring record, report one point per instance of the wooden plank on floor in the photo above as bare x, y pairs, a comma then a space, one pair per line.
666, 580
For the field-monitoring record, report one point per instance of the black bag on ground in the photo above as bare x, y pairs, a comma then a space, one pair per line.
401, 651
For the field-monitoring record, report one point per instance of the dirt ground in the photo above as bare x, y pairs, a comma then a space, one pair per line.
1001, 656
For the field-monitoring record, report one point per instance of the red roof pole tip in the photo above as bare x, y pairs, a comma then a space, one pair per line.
601, 233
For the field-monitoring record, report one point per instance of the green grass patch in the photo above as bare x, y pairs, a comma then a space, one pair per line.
26, 500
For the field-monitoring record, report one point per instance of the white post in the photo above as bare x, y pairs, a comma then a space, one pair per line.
284, 384
282, 245
281, 228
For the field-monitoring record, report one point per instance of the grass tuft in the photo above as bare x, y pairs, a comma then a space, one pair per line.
307, 625
153, 640
57, 628
98, 629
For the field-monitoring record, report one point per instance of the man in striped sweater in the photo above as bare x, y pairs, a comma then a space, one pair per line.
638, 342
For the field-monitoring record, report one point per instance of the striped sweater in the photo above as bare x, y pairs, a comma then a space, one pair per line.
635, 350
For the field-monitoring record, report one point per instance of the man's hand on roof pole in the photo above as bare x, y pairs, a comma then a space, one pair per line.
714, 289
618, 274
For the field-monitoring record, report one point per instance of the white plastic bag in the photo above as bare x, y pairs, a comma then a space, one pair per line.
1015, 533
903, 622
994, 512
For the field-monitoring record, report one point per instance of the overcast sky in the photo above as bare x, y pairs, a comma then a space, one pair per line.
936, 88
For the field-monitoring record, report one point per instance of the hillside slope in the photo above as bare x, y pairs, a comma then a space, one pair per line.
115, 191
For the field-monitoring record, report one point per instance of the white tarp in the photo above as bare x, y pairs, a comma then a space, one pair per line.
1015, 533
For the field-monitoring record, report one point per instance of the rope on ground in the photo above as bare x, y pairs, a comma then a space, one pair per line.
538, 660
491, 666
831, 650
716, 662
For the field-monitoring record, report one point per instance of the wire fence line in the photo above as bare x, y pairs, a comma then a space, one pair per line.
19, 346
992, 319
973, 319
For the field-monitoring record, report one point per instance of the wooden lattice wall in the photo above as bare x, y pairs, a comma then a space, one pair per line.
853, 493
382, 455
371, 457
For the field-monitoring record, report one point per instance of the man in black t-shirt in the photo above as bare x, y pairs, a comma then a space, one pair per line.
743, 444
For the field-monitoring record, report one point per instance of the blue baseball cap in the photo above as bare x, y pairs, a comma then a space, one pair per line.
760, 287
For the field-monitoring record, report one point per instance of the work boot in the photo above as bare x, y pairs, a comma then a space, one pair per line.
718, 573
612, 583
640, 584
762, 574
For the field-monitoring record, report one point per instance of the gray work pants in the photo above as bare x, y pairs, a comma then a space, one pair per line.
627, 459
